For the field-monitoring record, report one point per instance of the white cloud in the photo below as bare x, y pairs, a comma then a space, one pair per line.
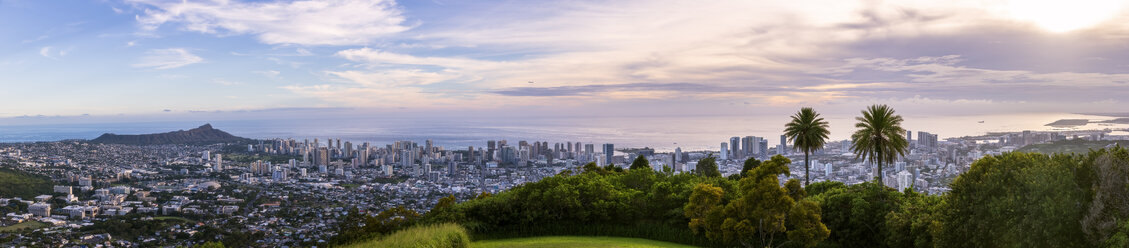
226, 82
268, 73
53, 53
168, 58
331, 22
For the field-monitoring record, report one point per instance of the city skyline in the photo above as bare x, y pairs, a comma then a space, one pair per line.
173, 60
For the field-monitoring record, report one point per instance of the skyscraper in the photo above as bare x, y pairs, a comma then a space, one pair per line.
783, 148
724, 151
909, 138
762, 146
748, 146
219, 162
322, 156
609, 152
735, 147
677, 155
490, 146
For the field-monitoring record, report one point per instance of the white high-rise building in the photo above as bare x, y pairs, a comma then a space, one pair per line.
827, 171
219, 163
905, 180
724, 151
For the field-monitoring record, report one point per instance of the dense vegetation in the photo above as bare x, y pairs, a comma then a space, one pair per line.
574, 241
432, 236
21, 184
1009, 200
1072, 146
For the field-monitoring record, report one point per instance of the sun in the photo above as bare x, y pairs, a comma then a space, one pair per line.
1065, 15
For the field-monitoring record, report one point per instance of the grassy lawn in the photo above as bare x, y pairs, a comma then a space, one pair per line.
30, 225
574, 241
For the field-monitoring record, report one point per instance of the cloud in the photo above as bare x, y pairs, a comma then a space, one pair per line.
331, 22
52, 53
225, 82
168, 58
959, 54
268, 73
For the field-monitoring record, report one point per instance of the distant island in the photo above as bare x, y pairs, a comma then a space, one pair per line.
202, 134
1072, 123
1069, 123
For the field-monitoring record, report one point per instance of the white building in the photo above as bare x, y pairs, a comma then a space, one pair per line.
40, 209
63, 189
905, 180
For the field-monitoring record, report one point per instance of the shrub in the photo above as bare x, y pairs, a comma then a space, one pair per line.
447, 235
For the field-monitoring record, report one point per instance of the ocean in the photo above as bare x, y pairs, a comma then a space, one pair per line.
690, 133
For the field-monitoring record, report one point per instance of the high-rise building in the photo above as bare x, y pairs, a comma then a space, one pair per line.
609, 152
748, 148
427, 147
909, 138
735, 147
322, 156
589, 148
905, 180
219, 162
724, 151
490, 147
677, 155
782, 149
827, 171
926, 140
762, 147
207, 155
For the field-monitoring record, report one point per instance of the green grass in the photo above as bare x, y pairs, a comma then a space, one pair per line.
435, 236
20, 184
574, 241
29, 225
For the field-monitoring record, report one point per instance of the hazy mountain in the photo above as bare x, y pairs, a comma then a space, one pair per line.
202, 134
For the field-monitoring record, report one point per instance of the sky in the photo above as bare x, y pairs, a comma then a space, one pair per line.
493, 59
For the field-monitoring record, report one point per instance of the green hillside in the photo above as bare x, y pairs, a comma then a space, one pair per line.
19, 184
573, 241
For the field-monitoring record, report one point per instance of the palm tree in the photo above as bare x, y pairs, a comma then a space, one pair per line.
808, 132
879, 137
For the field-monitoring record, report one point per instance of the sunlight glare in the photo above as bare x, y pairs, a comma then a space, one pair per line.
1064, 16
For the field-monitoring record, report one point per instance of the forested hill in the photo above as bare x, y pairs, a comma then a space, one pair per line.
202, 134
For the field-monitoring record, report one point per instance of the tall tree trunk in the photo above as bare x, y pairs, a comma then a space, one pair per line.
880, 182
807, 166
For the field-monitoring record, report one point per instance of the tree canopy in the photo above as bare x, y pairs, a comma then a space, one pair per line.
879, 137
808, 133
